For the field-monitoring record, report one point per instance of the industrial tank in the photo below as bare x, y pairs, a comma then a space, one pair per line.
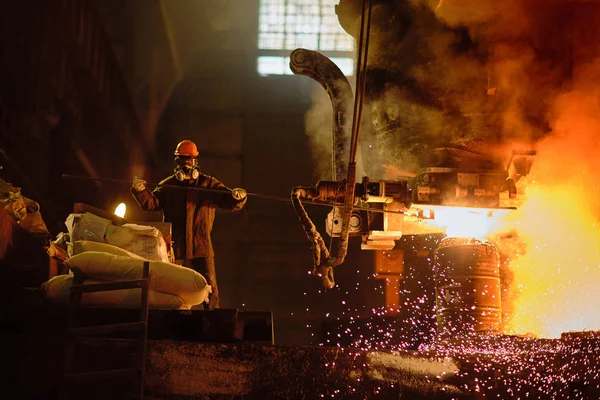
467, 284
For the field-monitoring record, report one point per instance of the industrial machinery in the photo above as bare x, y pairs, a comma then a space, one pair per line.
382, 211
393, 208
385, 210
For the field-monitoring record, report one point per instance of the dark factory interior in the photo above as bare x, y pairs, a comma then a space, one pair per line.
398, 198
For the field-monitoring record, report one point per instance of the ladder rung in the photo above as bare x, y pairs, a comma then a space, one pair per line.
107, 374
104, 287
108, 329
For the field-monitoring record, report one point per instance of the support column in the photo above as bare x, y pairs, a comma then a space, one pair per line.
389, 265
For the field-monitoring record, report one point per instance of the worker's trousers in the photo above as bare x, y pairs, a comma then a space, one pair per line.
206, 267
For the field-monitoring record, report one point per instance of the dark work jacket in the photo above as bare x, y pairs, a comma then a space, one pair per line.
191, 212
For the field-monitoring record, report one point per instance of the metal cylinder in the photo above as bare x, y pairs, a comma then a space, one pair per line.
467, 285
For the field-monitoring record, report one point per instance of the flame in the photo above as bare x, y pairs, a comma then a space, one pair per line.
464, 221
120, 210
557, 279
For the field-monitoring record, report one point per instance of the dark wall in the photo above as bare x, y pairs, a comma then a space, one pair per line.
66, 108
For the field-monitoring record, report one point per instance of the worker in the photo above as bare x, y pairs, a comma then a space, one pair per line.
191, 212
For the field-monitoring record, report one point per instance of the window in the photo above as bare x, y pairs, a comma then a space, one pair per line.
285, 25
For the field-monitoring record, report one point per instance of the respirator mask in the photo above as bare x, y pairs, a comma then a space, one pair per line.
187, 168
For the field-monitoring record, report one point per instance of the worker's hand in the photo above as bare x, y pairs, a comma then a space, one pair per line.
239, 194
138, 184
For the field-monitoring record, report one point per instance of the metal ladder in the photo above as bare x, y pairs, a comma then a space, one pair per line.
78, 288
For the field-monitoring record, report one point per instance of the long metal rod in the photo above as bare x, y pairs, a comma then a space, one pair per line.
361, 77
260, 196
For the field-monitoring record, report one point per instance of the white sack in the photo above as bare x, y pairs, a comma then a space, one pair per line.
58, 289
87, 226
143, 240
81, 246
164, 277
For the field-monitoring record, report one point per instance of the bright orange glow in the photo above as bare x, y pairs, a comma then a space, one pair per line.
464, 221
557, 279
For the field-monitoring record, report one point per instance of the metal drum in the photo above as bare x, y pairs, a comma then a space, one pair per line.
467, 285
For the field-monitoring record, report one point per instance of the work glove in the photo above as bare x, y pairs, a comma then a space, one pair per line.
138, 184
239, 194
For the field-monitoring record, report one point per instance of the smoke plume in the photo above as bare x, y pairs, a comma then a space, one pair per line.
463, 74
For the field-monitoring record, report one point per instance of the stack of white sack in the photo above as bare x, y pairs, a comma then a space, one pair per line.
104, 262
143, 240
58, 289
87, 226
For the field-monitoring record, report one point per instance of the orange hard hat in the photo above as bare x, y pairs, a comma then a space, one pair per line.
186, 148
